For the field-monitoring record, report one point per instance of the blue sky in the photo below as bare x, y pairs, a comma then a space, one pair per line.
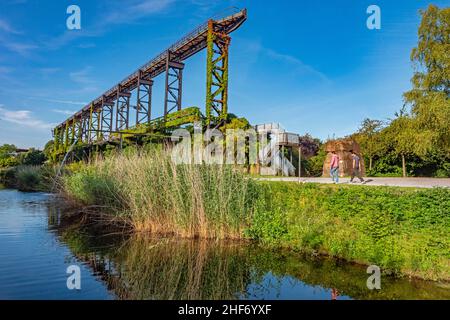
312, 66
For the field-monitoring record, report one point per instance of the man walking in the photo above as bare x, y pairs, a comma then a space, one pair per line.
334, 165
356, 167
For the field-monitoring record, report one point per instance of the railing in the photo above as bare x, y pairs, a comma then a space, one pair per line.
226, 13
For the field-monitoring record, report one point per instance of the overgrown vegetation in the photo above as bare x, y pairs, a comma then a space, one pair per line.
28, 178
153, 194
401, 230
25, 169
9, 157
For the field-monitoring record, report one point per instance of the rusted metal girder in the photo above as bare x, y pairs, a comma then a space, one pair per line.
189, 45
122, 109
174, 85
107, 117
144, 100
111, 111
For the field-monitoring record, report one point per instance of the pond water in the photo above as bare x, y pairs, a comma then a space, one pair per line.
37, 247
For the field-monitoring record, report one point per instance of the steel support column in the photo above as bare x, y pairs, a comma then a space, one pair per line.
96, 125
66, 135
56, 140
73, 131
106, 125
79, 129
216, 74
85, 125
61, 142
144, 100
174, 82
122, 110
90, 124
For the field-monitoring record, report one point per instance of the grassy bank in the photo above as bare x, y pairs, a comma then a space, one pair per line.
401, 230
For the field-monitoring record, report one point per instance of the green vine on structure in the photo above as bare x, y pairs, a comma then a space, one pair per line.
56, 145
73, 131
91, 111
158, 126
66, 140
216, 75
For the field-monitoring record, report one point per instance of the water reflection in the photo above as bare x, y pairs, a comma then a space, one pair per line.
141, 267
33, 261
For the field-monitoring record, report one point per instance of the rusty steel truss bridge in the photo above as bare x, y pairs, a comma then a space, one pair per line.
111, 116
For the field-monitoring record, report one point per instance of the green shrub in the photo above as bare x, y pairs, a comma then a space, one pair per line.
442, 173
32, 158
268, 226
29, 178
8, 162
400, 230
8, 177
314, 165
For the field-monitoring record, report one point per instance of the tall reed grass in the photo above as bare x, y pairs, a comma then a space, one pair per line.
155, 194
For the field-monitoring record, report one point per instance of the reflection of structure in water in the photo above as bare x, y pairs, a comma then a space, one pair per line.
140, 267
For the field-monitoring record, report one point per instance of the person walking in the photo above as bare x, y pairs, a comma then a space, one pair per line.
334, 294
356, 167
334, 167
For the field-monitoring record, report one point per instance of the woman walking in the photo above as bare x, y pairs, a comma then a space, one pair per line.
334, 165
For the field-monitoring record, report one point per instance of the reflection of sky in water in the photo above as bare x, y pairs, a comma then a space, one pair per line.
287, 288
33, 262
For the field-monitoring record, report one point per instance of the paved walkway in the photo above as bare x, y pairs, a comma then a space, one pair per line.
391, 182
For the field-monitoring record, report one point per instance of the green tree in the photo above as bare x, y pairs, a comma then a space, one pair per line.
6, 150
429, 98
33, 158
370, 139
49, 151
8, 162
406, 139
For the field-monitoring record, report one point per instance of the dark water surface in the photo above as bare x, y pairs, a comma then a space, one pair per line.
36, 248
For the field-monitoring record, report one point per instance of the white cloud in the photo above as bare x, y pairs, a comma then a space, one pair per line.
299, 65
48, 71
23, 118
65, 112
5, 70
84, 79
21, 48
76, 103
82, 76
6, 27
13, 2
70, 102
118, 12
134, 10
87, 45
